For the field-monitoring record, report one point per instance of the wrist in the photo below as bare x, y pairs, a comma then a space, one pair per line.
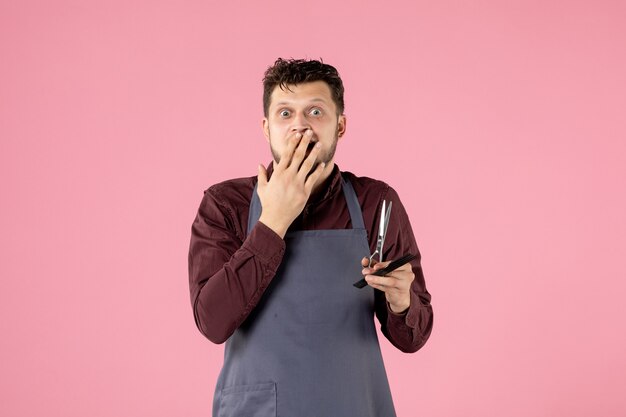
398, 309
278, 228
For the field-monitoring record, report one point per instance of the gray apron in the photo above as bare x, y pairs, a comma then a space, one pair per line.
309, 348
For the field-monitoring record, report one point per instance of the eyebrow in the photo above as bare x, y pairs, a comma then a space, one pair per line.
314, 100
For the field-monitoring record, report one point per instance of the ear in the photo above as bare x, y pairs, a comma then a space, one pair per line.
266, 128
341, 126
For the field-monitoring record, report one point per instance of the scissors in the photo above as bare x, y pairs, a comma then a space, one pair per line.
385, 212
382, 233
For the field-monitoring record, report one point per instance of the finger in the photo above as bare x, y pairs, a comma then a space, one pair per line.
300, 152
365, 262
400, 284
381, 283
371, 267
380, 265
389, 280
309, 162
389, 283
293, 139
403, 280
312, 179
406, 267
262, 176
373, 279
379, 287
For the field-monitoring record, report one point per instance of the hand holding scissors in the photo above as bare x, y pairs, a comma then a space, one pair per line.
393, 278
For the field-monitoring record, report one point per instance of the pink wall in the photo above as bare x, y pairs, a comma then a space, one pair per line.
501, 124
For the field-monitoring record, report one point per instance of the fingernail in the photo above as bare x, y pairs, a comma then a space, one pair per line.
309, 132
318, 145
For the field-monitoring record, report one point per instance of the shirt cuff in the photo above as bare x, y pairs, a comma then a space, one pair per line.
409, 317
266, 244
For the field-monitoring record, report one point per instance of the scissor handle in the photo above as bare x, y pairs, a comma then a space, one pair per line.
372, 256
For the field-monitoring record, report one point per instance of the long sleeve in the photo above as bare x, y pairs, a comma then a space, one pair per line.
228, 272
409, 331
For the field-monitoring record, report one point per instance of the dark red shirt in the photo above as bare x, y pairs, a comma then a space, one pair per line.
229, 270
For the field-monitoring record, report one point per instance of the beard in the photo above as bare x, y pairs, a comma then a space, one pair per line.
324, 156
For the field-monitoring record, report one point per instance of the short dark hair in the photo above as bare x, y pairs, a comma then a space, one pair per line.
287, 72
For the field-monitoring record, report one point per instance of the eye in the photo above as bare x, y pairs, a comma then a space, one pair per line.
315, 112
285, 113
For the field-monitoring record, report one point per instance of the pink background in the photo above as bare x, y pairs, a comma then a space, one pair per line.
501, 125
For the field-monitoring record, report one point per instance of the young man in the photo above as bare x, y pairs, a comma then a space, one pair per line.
273, 258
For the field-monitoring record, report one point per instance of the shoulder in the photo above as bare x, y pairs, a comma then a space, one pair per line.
371, 193
367, 188
236, 188
232, 194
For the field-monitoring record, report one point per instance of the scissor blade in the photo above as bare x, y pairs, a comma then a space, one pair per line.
385, 225
381, 224
387, 215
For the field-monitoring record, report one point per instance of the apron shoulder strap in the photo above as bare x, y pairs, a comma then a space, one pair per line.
356, 216
255, 210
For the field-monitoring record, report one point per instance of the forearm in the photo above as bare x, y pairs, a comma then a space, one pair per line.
226, 290
408, 331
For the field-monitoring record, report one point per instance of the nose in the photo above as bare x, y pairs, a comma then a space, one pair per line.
300, 124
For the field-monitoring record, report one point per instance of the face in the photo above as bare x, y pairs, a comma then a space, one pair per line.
306, 106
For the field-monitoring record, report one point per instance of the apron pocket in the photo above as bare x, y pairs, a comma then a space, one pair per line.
258, 400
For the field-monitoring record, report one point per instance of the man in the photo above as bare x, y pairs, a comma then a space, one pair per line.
273, 258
